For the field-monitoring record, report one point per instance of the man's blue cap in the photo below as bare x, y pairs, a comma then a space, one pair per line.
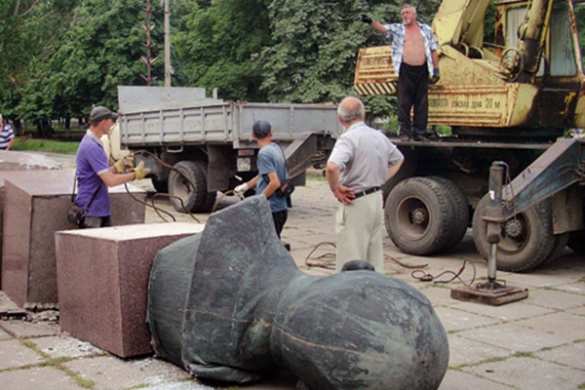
261, 129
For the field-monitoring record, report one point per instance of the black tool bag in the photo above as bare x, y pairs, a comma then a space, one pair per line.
76, 215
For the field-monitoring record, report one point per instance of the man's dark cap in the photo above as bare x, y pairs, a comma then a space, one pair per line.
261, 129
99, 113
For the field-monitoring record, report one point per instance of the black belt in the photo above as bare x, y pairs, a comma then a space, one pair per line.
365, 192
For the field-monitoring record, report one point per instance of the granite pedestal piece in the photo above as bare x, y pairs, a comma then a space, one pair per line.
103, 278
11, 162
35, 207
231, 305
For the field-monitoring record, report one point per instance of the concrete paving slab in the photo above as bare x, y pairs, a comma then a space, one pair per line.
554, 299
533, 374
6, 303
505, 313
580, 311
457, 380
539, 279
575, 288
67, 347
571, 355
463, 351
45, 378
112, 373
4, 335
14, 354
186, 385
515, 337
438, 296
23, 329
457, 320
568, 326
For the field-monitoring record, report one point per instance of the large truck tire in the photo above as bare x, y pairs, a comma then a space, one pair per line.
188, 182
407, 170
527, 239
461, 216
577, 242
419, 216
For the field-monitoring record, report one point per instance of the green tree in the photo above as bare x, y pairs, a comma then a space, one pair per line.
100, 51
218, 45
25, 42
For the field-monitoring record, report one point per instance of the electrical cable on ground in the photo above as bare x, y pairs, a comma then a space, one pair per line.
327, 260
423, 276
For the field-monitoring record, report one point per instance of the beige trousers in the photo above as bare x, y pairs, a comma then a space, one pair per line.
360, 232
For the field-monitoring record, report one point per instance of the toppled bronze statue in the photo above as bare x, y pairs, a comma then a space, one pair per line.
231, 305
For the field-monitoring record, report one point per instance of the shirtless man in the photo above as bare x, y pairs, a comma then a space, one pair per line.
415, 60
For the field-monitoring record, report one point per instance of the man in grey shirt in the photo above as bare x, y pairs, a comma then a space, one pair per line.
360, 163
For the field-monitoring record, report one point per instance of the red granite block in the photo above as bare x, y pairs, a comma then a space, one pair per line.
35, 207
19, 161
103, 280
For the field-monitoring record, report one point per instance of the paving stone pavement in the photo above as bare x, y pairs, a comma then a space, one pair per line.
538, 343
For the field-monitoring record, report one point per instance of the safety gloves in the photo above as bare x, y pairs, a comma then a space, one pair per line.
436, 76
366, 19
241, 190
124, 164
140, 172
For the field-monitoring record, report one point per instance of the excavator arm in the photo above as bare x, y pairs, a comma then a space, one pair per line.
522, 65
460, 22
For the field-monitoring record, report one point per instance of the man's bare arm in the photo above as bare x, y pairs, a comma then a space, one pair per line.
393, 169
112, 179
379, 27
273, 184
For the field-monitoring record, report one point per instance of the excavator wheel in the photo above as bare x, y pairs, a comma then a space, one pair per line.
527, 239
461, 212
419, 216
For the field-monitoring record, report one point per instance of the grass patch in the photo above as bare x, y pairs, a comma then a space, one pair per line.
80, 380
141, 386
57, 363
581, 387
44, 145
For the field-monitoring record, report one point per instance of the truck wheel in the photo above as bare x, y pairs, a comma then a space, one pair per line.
419, 215
577, 242
407, 170
527, 239
461, 212
190, 185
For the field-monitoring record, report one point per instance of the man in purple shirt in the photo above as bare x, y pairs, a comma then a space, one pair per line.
94, 175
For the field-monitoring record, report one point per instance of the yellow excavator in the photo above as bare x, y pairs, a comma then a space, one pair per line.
514, 100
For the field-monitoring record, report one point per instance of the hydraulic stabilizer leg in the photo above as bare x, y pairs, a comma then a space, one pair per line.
490, 291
